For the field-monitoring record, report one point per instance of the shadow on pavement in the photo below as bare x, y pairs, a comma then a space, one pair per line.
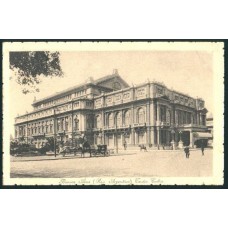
48, 158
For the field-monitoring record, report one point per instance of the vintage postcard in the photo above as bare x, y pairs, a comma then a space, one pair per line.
113, 113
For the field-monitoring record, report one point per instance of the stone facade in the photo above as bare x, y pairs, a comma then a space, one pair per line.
108, 111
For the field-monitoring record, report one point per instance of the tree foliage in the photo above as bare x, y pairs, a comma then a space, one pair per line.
17, 147
29, 67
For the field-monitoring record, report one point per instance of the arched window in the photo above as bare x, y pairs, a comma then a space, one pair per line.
76, 123
141, 116
127, 117
110, 120
51, 128
66, 123
46, 128
178, 117
118, 119
168, 116
58, 124
163, 113
62, 124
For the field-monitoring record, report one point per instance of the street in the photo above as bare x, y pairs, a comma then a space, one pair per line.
125, 164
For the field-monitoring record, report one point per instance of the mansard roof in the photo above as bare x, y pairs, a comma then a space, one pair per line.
97, 82
109, 77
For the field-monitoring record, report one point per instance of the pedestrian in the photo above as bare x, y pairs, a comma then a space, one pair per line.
125, 145
187, 151
202, 149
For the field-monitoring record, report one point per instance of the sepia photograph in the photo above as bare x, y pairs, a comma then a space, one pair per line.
113, 113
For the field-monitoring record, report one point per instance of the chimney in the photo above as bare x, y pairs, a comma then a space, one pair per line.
115, 72
89, 80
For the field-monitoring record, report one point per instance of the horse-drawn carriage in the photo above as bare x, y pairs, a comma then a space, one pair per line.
100, 150
84, 148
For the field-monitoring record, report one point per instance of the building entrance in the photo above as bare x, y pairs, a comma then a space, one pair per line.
118, 140
165, 137
110, 141
185, 138
141, 138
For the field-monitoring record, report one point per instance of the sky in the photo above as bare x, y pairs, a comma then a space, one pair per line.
190, 72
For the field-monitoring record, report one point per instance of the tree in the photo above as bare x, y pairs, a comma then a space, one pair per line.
29, 67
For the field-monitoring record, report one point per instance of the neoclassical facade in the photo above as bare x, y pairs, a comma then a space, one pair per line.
111, 112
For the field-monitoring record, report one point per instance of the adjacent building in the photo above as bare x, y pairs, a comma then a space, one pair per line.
109, 111
210, 123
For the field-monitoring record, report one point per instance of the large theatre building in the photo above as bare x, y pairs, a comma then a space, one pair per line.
109, 111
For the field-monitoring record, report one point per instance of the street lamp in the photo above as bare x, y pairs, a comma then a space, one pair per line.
116, 139
76, 121
173, 138
180, 142
55, 109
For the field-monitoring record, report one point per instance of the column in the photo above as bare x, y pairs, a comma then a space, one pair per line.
148, 136
175, 117
64, 123
152, 113
26, 132
145, 137
132, 116
148, 113
168, 137
191, 144
192, 122
105, 138
103, 119
158, 135
152, 136
158, 112
136, 138
132, 136
200, 118
80, 122
122, 117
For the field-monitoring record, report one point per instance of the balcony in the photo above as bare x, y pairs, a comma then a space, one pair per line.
41, 135
139, 124
162, 124
109, 127
192, 126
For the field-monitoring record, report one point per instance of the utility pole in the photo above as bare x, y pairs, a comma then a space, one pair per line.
55, 131
55, 118
72, 126
116, 140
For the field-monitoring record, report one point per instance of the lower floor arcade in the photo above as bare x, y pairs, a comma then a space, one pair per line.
148, 136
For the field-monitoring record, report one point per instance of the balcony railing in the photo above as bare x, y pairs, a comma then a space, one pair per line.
139, 124
38, 134
162, 124
191, 125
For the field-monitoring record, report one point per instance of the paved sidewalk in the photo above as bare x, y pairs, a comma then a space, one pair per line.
51, 155
129, 164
